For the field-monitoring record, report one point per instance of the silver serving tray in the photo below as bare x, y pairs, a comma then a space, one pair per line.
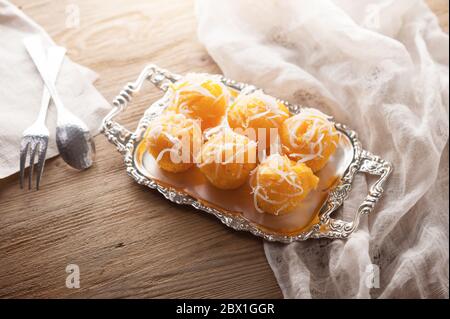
354, 159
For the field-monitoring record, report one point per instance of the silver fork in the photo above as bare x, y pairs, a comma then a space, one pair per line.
35, 137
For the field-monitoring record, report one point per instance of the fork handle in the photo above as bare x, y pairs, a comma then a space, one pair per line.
37, 53
55, 57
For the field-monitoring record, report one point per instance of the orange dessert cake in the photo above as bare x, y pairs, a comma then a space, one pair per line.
227, 159
171, 139
200, 97
257, 111
280, 184
309, 137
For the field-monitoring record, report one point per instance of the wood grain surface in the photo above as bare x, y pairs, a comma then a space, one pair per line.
127, 240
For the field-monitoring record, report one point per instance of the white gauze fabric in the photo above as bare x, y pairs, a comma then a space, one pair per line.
381, 67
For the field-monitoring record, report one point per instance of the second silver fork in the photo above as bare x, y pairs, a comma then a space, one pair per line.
35, 137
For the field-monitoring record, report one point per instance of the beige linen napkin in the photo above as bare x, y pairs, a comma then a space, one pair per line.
380, 67
21, 89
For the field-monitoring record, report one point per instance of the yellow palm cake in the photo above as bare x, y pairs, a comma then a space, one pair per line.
227, 159
280, 184
309, 137
171, 139
200, 97
257, 110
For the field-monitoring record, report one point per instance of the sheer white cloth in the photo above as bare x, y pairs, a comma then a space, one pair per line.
380, 67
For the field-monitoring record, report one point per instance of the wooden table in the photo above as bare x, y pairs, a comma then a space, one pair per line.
127, 241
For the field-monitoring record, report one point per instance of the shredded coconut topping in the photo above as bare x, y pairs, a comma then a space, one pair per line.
313, 139
174, 127
226, 147
272, 111
193, 83
280, 166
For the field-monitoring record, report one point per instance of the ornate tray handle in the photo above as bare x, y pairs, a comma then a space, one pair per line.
116, 133
365, 163
327, 227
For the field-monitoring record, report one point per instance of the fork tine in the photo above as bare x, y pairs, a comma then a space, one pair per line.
41, 161
23, 156
33, 147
